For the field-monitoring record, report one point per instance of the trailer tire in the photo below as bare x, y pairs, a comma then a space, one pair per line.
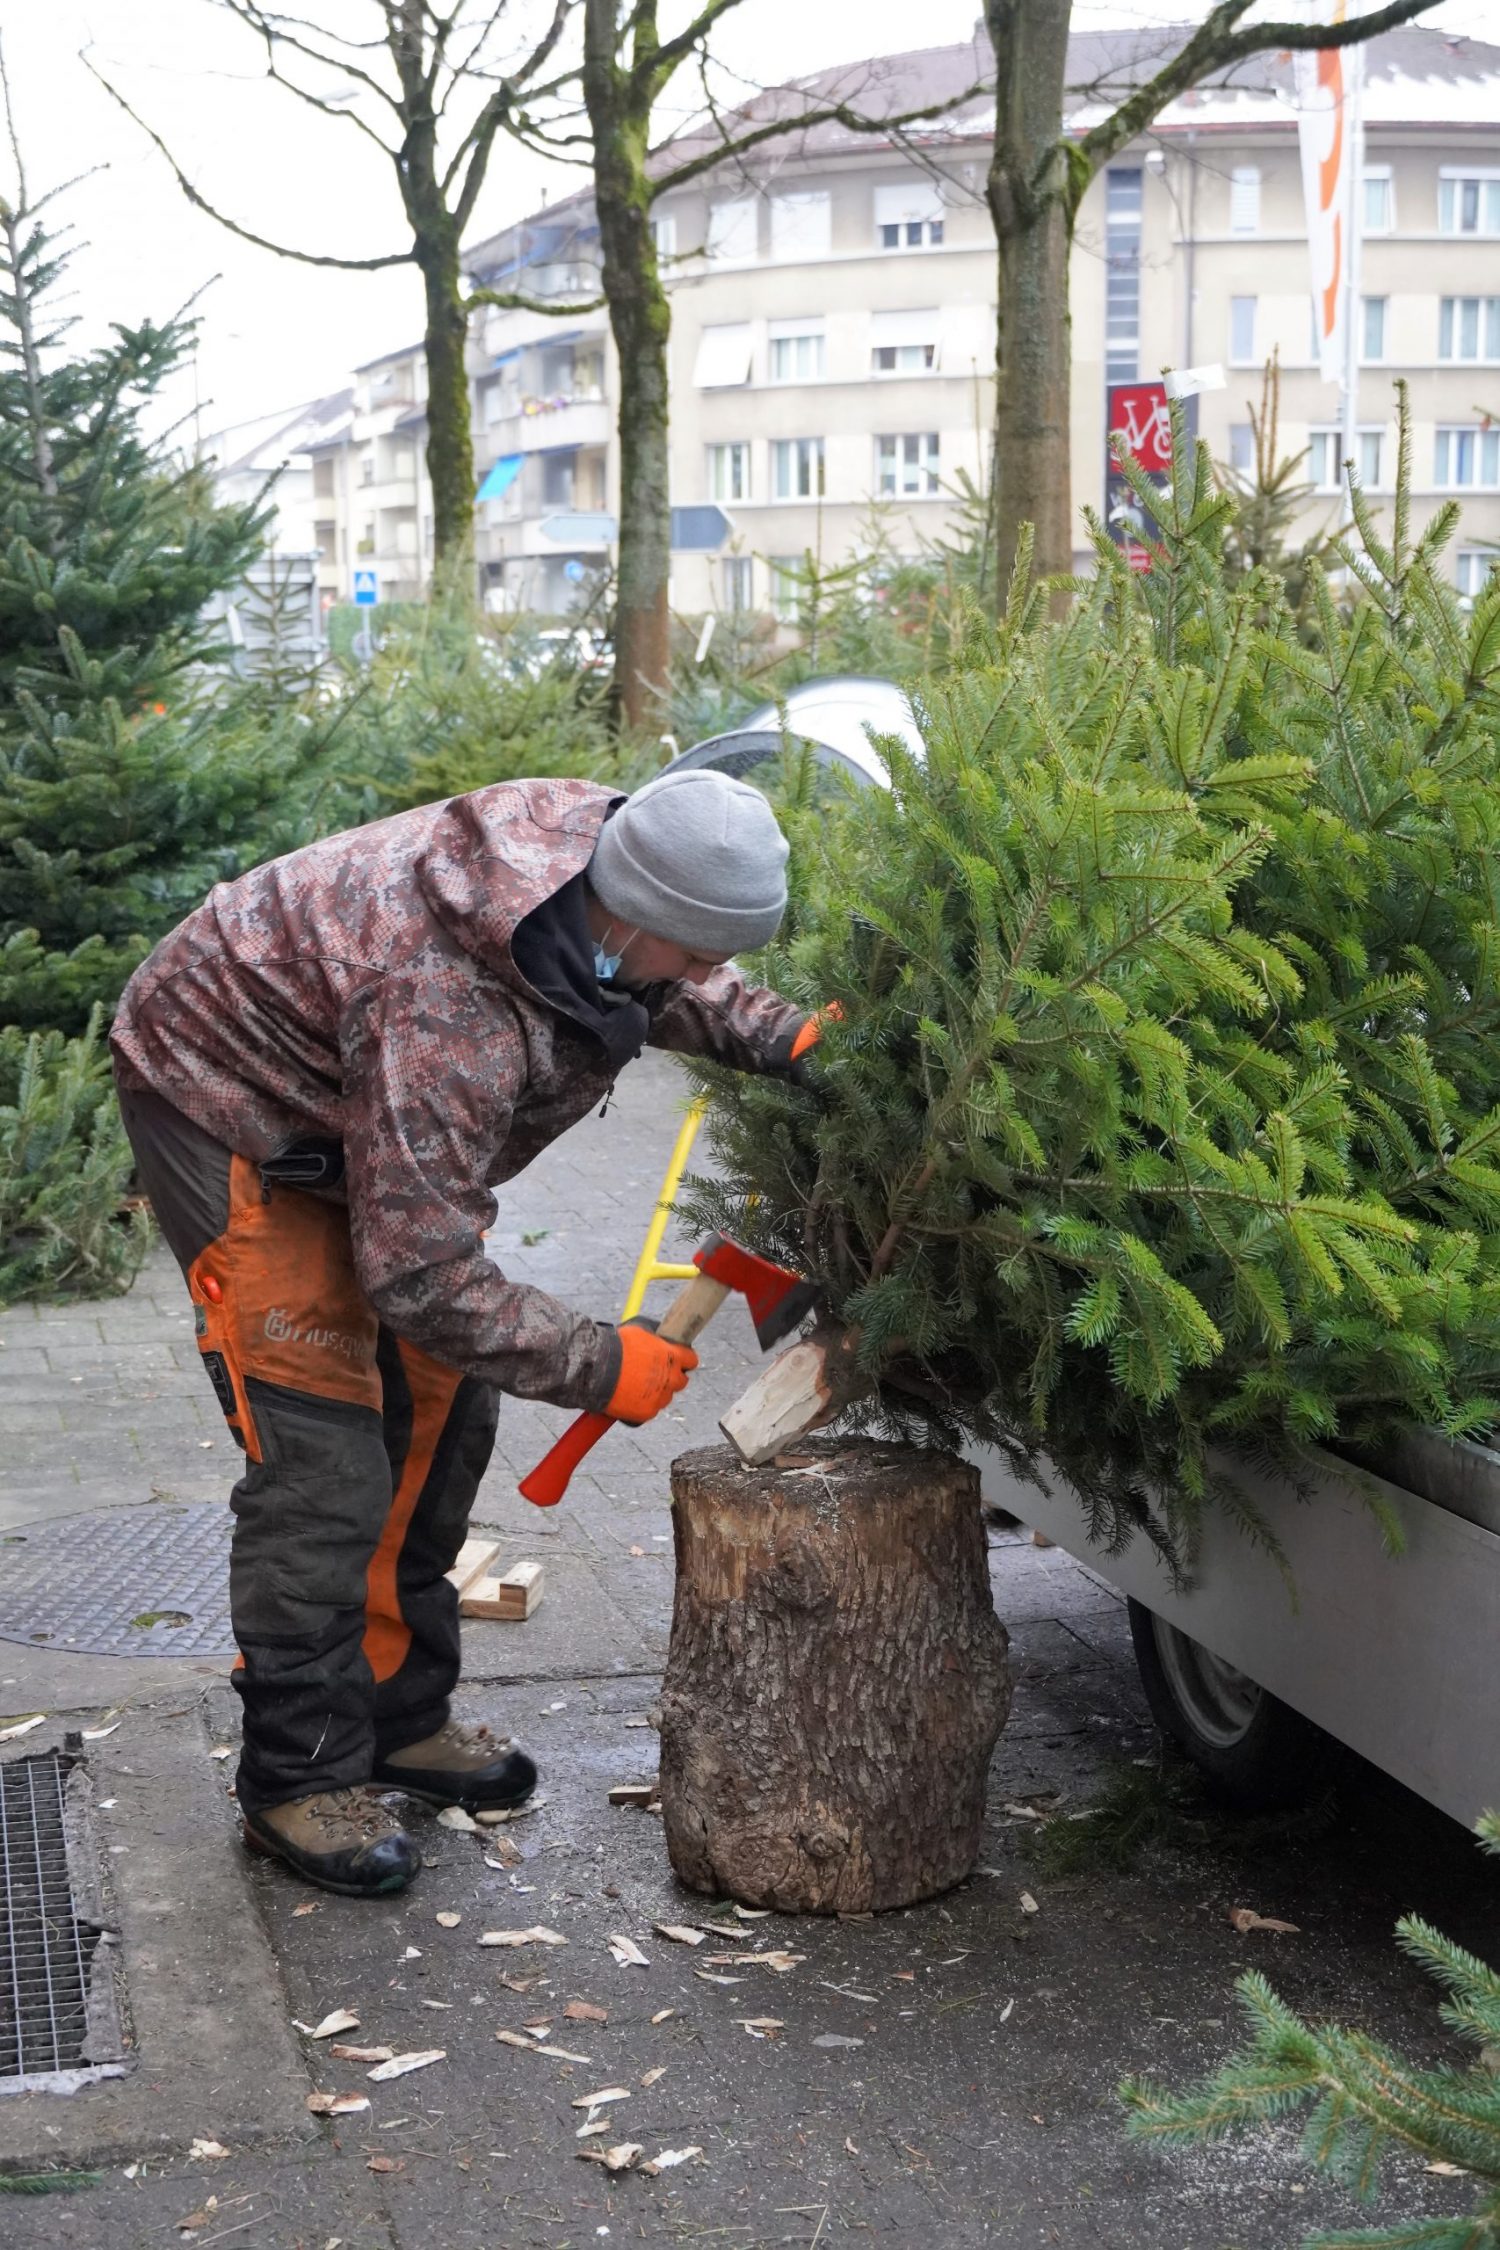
1253, 1751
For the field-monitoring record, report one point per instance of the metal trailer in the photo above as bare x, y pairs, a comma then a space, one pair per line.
1393, 1655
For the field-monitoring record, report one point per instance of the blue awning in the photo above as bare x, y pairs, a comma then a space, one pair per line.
502, 476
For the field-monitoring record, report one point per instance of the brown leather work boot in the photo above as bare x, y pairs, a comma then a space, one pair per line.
460, 1765
344, 1839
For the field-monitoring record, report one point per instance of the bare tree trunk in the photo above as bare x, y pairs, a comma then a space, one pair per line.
836, 1680
640, 319
1033, 188
450, 443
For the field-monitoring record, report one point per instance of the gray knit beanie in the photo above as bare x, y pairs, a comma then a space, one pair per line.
695, 858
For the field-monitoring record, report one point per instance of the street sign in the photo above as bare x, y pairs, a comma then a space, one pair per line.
581, 527
699, 531
1137, 413
366, 588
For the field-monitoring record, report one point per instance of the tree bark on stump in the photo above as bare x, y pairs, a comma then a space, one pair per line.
836, 1681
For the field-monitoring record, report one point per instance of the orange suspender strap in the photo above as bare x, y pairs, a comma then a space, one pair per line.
433, 1388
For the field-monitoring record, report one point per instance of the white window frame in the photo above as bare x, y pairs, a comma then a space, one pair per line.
792, 459
722, 361
1472, 568
728, 475
664, 233
1387, 179
909, 216
1242, 447
1248, 358
1447, 455
801, 225
1486, 177
785, 593
737, 584
734, 231
797, 352
913, 339
1486, 331
1244, 199
908, 453
1375, 358
1327, 440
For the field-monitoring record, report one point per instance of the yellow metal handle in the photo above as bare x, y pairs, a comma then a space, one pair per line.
648, 1268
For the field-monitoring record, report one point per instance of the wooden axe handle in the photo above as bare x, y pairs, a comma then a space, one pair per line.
685, 1318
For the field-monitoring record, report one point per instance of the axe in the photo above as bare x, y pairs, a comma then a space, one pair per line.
778, 1301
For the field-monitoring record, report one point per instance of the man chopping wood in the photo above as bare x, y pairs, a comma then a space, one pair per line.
324, 1072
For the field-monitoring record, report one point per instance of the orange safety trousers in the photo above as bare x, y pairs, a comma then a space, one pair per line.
362, 1458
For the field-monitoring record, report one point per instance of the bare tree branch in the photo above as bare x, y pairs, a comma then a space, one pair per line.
668, 53
516, 300
480, 138
269, 26
201, 202
829, 113
1216, 45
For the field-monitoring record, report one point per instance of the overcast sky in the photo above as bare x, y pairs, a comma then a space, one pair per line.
274, 333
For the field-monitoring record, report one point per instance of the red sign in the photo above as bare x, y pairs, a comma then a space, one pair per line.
1138, 414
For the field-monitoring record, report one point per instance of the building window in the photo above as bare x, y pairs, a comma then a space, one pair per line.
723, 358
737, 578
802, 225
734, 231
1471, 571
1242, 330
1325, 459
1372, 327
1244, 199
1469, 328
1467, 458
367, 467
907, 467
559, 479
729, 471
903, 359
909, 217
797, 468
797, 356
786, 587
664, 233
1469, 202
1380, 199
1241, 447
1122, 273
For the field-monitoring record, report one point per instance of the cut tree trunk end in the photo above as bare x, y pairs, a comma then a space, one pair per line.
837, 1677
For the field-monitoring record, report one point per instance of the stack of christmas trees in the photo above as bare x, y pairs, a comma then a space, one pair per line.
1163, 1112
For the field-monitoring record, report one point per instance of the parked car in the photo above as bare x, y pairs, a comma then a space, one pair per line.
837, 716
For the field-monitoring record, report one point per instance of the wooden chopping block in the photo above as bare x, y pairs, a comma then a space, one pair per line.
511, 1598
474, 1559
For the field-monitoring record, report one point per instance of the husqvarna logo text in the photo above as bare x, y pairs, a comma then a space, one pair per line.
280, 1328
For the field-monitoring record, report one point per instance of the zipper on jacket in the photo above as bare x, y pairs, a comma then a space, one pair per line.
609, 1097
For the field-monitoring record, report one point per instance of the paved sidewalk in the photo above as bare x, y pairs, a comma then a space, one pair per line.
941, 2077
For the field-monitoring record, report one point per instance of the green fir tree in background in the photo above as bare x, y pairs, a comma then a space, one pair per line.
1164, 1112
1362, 2101
130, 778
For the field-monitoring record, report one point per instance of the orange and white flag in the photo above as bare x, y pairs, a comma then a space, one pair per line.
1326, 78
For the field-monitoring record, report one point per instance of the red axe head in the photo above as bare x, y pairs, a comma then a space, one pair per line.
779, 1301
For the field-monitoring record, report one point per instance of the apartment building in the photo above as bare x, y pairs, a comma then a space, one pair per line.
372, 502
833, 326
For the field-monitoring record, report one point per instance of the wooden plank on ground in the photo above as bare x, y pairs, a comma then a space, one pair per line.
510, 1598
474, 1559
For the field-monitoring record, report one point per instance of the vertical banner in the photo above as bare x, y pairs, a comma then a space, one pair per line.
1326, 80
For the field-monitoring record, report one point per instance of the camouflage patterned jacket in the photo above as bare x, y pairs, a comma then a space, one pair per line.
365, 988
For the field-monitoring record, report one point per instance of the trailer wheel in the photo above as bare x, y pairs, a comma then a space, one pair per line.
1255, 1753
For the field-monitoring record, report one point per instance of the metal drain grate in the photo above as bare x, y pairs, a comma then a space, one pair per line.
59, 2018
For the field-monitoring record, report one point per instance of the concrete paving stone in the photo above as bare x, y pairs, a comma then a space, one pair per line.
20, 1361
21, 1417
131, 1361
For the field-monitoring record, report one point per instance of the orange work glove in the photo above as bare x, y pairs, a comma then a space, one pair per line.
808, 1037
652, 1372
